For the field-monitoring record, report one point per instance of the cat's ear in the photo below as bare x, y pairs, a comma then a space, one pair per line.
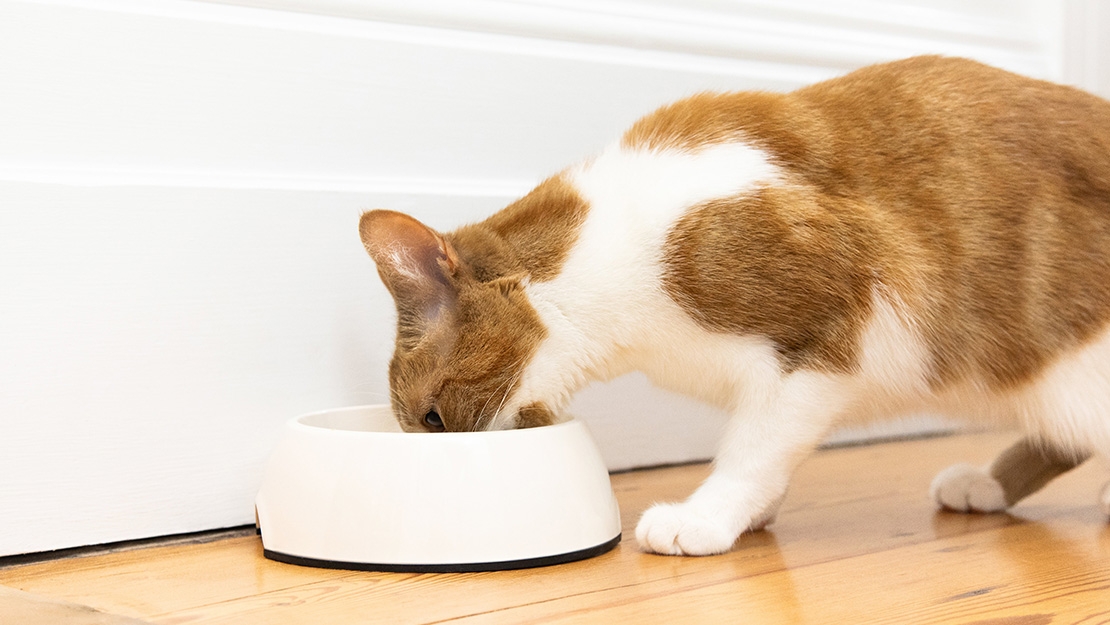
415, 262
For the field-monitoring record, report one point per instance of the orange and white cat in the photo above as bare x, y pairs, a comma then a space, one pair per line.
929, 234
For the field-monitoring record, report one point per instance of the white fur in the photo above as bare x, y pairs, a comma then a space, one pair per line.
607, 313
965, 488
1070, 404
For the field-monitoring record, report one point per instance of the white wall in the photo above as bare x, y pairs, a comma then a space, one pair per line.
1086, 46
180, 182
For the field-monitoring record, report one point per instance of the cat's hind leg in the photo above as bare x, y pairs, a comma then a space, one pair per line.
1019, 471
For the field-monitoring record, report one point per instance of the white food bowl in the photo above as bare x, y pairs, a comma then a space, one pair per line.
347, 489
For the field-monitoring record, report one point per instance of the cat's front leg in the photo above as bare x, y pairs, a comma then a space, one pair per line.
761, 448
699, 526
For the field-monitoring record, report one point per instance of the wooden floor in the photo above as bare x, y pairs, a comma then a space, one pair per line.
857, 541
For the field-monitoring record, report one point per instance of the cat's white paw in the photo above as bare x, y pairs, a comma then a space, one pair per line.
964, 488
680, 529
1104, 499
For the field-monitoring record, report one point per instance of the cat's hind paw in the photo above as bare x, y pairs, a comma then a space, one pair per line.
680, 529
964, 488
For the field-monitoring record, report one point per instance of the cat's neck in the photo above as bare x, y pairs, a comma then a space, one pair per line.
604, 309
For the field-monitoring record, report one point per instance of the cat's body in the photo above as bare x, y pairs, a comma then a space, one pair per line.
931, 234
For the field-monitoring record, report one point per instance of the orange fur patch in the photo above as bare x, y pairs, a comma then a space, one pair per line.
530, 237
784, 263
982, 198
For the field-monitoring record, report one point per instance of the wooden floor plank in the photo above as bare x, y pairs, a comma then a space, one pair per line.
1019, 570
23, 608
857, 539
144, 582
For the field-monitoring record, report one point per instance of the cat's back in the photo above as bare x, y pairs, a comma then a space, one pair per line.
933, 115
917, 118
979, 197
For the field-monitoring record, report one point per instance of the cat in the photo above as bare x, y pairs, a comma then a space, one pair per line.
927, 234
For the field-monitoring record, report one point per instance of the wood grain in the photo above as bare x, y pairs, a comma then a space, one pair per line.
24, 608
857, 541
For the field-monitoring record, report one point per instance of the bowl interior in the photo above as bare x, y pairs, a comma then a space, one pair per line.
377, 418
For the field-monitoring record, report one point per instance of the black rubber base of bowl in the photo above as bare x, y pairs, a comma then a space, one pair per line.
474, 567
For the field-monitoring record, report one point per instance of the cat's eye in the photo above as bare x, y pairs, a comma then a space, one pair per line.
433, 420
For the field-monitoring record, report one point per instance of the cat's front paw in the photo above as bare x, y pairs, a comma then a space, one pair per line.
965, 488
681, 529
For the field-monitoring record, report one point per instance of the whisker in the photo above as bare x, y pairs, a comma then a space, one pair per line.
508, 386
482, 410
505, 397
396, 400
478, 426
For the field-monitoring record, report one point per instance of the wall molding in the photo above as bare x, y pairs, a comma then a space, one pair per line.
505, 189
833, 34
520, 44
772, 44
792, 41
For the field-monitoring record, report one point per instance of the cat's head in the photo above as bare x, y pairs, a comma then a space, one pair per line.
465, 328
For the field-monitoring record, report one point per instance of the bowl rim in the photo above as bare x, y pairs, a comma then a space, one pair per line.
297, 423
